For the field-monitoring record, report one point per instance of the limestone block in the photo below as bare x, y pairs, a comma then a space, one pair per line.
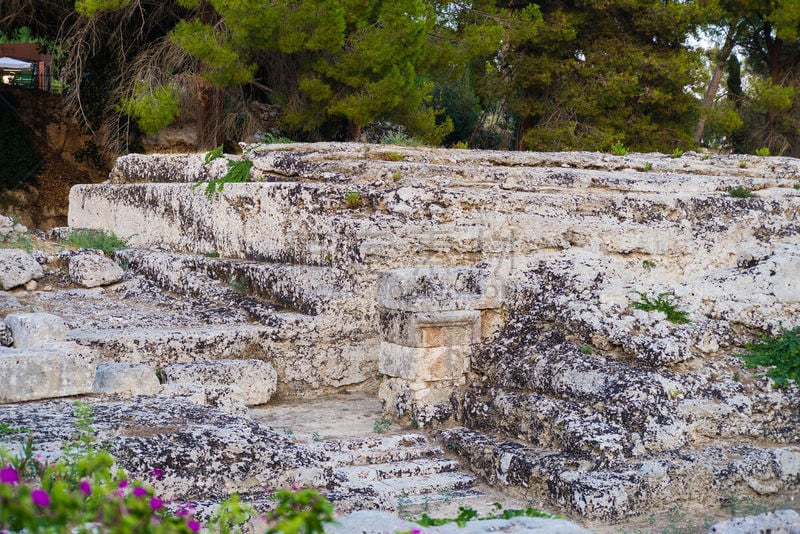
257, 379
6, 335
48, 371
433, 290
427, 329
229, 399
17, 267
428, 364
91, 270
424, 402
6, 225
777, 521
34, 329
126, 379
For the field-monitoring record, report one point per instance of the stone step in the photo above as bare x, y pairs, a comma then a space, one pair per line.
372, 450
399, 469
689, 475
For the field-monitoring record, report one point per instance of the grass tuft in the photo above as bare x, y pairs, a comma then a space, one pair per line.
108, 242
664, 303
781, 353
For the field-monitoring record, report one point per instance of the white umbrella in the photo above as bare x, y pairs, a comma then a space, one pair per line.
8, 63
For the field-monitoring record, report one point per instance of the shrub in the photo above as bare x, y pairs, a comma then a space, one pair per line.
300, 511
740, 192
781, 353
353, 199
664, 303
400, 139
677, 153
108, 242
763, 151
618, 149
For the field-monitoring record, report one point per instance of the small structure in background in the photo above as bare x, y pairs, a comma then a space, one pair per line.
25, 64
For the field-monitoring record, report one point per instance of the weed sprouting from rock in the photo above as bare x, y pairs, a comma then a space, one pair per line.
108, 242
381, 425
664, 303
781, 353
740, 192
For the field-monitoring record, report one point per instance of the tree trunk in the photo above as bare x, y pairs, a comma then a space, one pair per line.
713, 85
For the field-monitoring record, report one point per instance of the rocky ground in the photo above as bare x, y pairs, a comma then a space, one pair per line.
490, 298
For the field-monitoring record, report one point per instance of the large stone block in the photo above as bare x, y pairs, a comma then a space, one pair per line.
49, 371
126, 379
430, 329
17, 267
428, 364
35, 329
434, 290
91, 270
256, 378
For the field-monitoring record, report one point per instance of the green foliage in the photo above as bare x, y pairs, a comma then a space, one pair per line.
763, 151
740, 192
677, 153
103, 240
302, 511
20, 241
587, 350
82, 488
618, 149
391, 156
153, 108
224, 66
647, 167
466, 514
664, 303
781, 353
231, 515
271, 139
648, 265
89, 8
211, 155
400, 139
381, 425
352, 199
239, 172
6, 429
240, 284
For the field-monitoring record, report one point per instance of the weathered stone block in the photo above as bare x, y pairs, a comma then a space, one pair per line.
126, 379
256, 378
17, 267
6, 336
91, 270
229, 399
34, 329
49, 371
428, 329
433, 290
428, 364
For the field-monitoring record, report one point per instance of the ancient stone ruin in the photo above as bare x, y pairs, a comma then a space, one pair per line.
489, 300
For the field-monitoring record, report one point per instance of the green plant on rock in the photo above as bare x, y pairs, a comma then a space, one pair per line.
352, 199
392, 155
648, 265
618, 149
647, 167
587, 350
103, 240
239, 171
740, 192
677, 153
400, 139
270, 139
781, 353
763, 151
664, 303
21, 241
381, 425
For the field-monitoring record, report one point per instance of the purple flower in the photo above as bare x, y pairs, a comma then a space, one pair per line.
156, 503
139, 491
122, 483
9, 475
85, 487
158, 474
193, 525
183, 512
295, 487
416, 531
40, 498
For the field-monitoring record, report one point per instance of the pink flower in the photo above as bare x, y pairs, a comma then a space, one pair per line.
295, 487
183, 512
40, 498
156, 503
9, 475
416, 531
158, 474
122, 484
193, 525
85, 487
139, 492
